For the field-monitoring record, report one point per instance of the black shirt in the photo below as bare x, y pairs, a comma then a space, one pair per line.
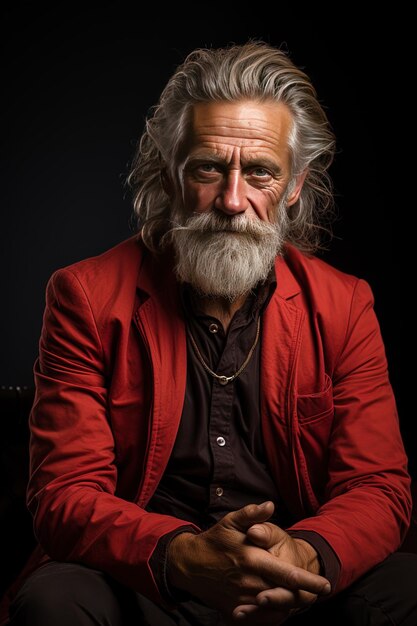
218, 462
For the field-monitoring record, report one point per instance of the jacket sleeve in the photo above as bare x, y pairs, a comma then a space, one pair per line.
367, 504
73, 475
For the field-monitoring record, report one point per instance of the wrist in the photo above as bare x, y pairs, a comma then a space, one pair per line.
310, 556
178, 561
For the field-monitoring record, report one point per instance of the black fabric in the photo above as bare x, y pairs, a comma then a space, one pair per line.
387, 594
67, 594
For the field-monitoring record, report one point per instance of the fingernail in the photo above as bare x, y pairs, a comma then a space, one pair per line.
327, 588
264, 601
240, 615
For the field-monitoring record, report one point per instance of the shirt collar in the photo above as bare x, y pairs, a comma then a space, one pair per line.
255, 304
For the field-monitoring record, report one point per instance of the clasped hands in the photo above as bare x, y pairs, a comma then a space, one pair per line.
247, 568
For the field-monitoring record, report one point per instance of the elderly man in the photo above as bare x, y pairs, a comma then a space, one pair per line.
214, 436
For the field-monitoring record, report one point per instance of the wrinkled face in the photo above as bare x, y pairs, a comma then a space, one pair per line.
230, 221
237, 159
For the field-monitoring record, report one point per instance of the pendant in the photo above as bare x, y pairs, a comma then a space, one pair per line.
223, 380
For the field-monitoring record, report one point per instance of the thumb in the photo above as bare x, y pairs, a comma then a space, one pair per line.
266, 535
251, 514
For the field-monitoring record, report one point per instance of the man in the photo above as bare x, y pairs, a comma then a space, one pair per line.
214, 436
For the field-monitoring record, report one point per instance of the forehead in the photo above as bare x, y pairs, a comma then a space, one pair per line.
246, 124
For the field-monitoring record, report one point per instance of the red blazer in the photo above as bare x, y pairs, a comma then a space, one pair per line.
111, 380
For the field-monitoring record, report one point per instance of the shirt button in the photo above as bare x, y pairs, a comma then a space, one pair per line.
219, 491
221, 441
213, 328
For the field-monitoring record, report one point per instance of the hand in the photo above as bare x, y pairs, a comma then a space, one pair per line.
295, 551
224, 570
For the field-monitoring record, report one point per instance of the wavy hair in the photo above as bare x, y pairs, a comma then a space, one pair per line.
253, 71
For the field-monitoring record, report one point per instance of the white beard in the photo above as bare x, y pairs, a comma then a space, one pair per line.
224, 256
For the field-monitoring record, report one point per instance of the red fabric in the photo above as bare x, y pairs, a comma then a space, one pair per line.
110, 385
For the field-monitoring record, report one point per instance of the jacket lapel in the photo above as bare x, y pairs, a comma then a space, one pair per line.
281, 340
161, 325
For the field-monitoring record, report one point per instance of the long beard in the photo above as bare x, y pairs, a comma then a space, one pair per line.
226, 257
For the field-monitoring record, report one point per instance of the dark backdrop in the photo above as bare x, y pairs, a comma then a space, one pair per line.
78, 88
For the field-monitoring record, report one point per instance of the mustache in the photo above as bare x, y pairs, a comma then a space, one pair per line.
213, 222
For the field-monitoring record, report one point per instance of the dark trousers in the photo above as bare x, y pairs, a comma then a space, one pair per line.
67, 594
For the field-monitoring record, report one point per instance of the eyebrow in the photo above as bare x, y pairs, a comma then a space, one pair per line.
263, 162
251, 162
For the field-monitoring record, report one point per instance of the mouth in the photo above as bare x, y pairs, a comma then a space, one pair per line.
220, 231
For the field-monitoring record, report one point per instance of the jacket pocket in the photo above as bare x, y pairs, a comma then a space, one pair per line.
315, 406
315, 419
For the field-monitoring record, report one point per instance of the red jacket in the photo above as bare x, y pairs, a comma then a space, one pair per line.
110, 387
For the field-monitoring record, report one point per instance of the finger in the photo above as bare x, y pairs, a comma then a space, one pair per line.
248, 516
290, 576
252, 614
266, 535
281, 598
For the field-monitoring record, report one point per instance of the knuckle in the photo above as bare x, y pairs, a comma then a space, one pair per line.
292, 579
249, 511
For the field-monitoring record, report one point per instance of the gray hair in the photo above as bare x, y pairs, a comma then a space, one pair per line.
253, 71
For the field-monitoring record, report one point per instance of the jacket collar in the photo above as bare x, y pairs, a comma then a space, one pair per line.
287, 284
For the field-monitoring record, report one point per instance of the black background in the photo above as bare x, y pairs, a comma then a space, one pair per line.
78, 87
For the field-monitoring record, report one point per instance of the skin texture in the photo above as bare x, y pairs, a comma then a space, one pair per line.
237, 161
225, 569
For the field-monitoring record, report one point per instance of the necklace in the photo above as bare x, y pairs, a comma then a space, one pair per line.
223, 380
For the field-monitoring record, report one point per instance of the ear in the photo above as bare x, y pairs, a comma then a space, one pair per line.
295, 192
166, 183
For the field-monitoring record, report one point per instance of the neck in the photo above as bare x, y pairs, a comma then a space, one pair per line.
221, 308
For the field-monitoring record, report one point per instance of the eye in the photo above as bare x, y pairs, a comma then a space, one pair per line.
207, 168
260, 172
205, 172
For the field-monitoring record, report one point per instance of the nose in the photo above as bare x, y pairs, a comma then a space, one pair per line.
232, 197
